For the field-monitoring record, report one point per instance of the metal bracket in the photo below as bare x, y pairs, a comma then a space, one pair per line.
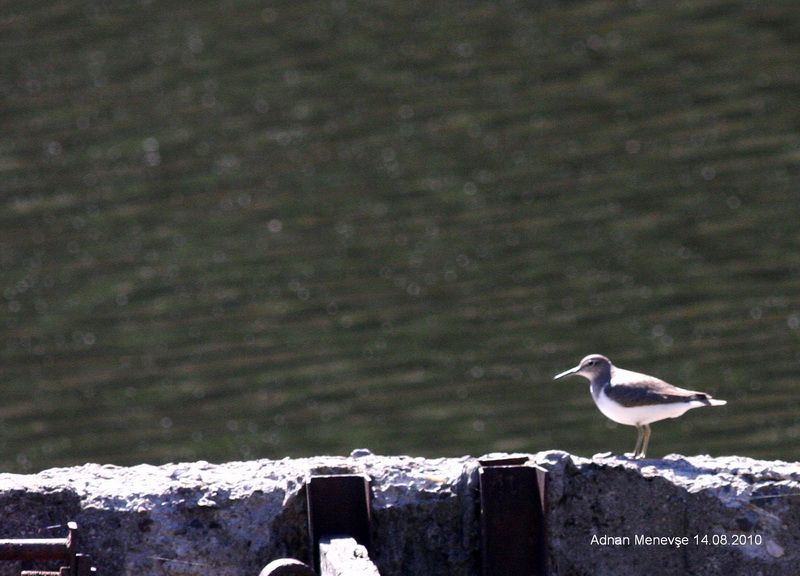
42, 549
512, 517
338, 506
286, 567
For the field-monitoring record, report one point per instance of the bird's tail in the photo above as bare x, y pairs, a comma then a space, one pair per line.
715, 402
708, 400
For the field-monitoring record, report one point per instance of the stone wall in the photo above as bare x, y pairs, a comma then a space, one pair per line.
740, 516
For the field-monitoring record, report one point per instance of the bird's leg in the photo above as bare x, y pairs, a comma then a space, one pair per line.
646, 440
638, 441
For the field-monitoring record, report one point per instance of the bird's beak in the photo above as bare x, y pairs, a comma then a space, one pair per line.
567, 372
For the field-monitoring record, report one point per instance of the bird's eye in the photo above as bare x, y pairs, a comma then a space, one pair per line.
590, 362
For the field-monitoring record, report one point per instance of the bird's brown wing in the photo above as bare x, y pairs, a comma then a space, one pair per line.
634, 389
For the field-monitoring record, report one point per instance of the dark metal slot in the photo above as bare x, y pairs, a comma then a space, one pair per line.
338, 510
512, 519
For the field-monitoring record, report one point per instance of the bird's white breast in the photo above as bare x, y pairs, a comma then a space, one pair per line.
638, 415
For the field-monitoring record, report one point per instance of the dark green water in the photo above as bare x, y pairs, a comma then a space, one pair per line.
249, 229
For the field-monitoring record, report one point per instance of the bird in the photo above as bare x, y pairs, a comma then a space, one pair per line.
635, 399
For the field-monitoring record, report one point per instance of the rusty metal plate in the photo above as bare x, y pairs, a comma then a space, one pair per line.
512, 521
338, 505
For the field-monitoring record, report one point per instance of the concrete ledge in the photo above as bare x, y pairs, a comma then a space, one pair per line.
234, 518
720, 507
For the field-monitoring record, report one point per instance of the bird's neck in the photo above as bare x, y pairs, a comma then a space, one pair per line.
600, 383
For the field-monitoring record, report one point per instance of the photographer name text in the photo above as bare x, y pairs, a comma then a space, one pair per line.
678, 541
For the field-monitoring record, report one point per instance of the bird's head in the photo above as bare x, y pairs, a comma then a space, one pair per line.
590, 367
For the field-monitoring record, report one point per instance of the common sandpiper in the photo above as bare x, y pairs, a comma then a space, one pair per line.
635, 399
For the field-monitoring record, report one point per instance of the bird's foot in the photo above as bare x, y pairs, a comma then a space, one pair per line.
634, 455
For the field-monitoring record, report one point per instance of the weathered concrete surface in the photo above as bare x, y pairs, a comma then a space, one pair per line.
729, 501
234, 518
344, 557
